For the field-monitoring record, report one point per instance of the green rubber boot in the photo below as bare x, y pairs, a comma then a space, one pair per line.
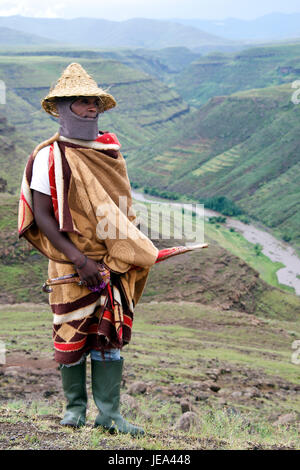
74, 386
106, 385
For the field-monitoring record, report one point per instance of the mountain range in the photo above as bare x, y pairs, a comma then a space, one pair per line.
99, 33
12, 38
270, 27
225, 35
229, 130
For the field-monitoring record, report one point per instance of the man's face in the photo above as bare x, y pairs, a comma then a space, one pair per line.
86, 106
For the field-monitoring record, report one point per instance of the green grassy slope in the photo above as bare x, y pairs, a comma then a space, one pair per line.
233, 370
145, 105
244, 146
12, 153
160, 63
227, 275
224, 74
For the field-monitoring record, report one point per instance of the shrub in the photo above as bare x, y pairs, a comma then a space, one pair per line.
286, 237
222, 204
257, 249
220, 219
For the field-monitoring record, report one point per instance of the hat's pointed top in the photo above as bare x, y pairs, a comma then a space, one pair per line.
75, 81
74, 70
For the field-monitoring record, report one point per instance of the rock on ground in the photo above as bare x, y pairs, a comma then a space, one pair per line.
187, 420
137, 388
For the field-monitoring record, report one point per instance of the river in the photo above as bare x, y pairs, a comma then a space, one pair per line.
273, 248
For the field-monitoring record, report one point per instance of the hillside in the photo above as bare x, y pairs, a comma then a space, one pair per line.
160, 63
158, 121
136, 32
231, 369
272, 26
224, 74
12, 154
215, 276
145, 105
230, 146
244, 146
12, 38
214, 331
209, 336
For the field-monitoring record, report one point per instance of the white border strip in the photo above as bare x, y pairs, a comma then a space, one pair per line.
27, 191
59, 182
90, 144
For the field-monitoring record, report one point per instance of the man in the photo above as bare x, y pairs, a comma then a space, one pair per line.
70, 210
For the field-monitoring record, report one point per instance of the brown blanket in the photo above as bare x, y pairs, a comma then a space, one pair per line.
89, 178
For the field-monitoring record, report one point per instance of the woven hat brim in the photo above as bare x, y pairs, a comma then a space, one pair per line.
49, 102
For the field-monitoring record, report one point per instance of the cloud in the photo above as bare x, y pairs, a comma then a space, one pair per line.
33, 8
125, 9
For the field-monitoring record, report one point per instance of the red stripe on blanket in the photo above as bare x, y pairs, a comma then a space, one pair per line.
51, 168
23, 210
23, 199
69, 346
107, 315
127, 321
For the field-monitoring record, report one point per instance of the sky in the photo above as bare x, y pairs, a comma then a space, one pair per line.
119, 10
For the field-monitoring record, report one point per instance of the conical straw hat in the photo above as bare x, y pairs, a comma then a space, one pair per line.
75, 81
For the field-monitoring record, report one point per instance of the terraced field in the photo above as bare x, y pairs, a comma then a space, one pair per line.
220, 162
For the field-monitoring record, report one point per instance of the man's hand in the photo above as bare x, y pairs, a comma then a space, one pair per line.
89, 274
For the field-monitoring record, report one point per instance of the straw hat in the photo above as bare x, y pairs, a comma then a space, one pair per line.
75, 81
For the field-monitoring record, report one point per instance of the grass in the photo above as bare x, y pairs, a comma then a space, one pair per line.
239, 246
219, 430
25, 326
173, 350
